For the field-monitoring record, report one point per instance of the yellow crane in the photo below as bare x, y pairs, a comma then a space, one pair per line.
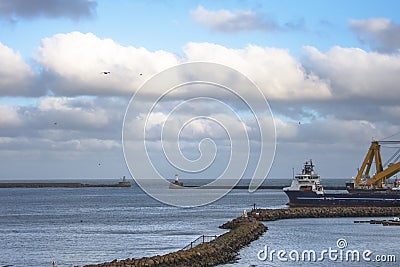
381, 174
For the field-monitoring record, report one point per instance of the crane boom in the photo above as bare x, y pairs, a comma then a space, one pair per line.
381, 174
385, 174
368, 160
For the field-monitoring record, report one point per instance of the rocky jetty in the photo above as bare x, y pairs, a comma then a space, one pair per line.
223, 249
323, 212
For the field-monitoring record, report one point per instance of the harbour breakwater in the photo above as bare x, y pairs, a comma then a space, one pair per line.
70, 185
323, 212
221, 250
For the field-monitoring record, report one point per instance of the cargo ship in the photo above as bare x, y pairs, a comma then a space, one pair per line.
364, 190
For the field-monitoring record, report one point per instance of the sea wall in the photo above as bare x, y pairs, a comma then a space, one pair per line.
323, 212
55, 184
223, 249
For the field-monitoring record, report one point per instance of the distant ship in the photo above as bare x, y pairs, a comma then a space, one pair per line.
306, 188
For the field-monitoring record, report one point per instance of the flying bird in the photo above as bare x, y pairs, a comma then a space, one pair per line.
105, 72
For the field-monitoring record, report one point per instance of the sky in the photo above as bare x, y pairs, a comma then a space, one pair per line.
328, 69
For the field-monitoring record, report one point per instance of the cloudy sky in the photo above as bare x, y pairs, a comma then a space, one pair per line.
329, 70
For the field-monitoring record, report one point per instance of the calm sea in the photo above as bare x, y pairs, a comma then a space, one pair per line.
76, 226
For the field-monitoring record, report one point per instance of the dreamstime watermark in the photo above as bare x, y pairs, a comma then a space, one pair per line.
340, 253
199, 119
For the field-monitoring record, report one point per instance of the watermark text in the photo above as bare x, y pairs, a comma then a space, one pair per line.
340, 253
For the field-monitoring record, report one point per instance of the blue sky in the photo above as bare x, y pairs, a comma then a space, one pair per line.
168, 25
330, 65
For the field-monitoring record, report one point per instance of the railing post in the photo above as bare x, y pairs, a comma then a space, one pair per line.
201, 239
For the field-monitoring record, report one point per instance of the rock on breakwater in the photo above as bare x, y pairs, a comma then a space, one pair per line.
223, 249
323, 212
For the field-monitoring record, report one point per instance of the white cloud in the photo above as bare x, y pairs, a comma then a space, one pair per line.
334, 131
9, 117
277, 73
228, 21
154, 119
380, 34
274, 70
63, 118
75, 62
215, 126
86, 145
63, 137
16, 77
190, 126
354, 73
72, 113
286, 130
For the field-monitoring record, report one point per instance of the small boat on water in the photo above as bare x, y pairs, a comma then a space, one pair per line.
306, 190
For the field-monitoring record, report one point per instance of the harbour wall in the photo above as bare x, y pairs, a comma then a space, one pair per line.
70, 185
323, 212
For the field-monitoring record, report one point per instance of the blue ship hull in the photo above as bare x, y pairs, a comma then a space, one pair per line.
356, 198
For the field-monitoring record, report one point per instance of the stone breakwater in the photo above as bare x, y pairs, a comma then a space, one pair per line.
323, 212
68, 185
223, 249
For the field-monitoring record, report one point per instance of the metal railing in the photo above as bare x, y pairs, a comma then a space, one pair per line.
200, 240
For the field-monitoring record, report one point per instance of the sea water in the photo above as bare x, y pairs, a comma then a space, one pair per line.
77, 226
